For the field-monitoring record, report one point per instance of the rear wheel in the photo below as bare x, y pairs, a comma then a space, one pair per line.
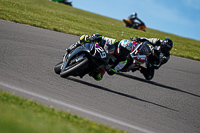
75, 69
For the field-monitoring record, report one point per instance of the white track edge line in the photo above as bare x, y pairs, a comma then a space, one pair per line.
77, 108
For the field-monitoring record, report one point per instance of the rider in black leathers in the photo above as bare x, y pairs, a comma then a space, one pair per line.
133, 18
120, 52
160, 55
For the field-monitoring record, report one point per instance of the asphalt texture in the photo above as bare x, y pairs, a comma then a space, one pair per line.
169, 103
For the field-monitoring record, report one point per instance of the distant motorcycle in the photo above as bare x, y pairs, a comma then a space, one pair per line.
139, 56
83, 60
67, 2
136, 25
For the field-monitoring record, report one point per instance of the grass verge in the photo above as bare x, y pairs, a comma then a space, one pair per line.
60, 17
26, 116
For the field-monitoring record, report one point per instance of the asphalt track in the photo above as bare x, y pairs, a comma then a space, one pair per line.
170, 103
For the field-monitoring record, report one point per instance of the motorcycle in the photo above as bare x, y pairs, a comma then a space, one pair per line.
136, 25
85, 59
138, 57
67, 2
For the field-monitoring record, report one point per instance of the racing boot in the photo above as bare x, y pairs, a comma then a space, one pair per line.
98, 74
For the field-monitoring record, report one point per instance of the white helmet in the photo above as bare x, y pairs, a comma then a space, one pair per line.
125, 47
135, 14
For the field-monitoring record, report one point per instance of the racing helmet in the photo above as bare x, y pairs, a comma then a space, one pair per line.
134, 14
124, 47
166, 45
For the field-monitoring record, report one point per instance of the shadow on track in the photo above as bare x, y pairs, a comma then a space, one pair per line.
119, 93
157, 84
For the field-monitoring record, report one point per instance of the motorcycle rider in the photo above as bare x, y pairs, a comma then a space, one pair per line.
159, 56
120, 52
133, 17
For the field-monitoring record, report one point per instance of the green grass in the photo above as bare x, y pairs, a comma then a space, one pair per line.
19, 115
60, 17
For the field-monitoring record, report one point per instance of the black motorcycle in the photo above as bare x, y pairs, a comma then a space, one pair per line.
83, 60
67, 2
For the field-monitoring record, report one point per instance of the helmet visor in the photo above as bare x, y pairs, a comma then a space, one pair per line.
123, 51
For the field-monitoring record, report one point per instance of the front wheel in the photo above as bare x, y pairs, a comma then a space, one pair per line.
75, 69
57, 67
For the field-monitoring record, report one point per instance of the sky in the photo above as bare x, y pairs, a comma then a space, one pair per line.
179, 17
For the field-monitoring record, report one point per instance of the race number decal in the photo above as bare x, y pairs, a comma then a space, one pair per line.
101, 52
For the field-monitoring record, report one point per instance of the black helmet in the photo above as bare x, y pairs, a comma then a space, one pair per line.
166, 45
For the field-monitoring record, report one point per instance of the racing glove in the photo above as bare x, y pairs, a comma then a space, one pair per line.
84, 39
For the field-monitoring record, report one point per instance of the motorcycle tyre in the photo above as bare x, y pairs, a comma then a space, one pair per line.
57, 67
75, 68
